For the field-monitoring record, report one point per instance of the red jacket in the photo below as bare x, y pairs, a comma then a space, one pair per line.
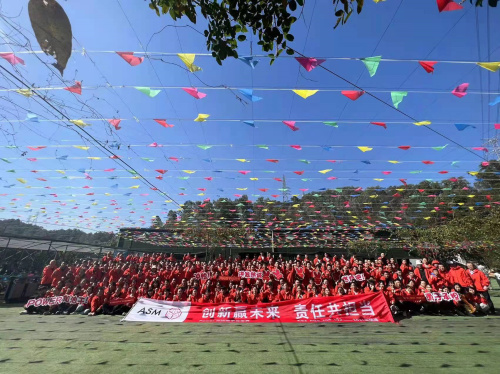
481, 281
460, 276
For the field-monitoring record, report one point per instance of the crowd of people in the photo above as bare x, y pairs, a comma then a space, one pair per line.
112, 284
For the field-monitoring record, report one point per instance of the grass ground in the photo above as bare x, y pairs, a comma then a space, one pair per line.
81, 344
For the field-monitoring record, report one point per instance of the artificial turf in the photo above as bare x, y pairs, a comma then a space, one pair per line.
103, 344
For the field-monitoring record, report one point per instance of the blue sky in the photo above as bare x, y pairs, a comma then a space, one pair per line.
400, 30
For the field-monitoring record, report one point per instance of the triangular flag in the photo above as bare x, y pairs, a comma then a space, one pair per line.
130, 58
79, 123
262, 146
497, 126
249, 61
163, 123
331, 123
309, 63
249, 123
12, 59
404, 147
204, 147
272, 160
297, 147
353, 95
194, 92
325, 171
372, 64
365, 149
115, 123
495, 102
291, 125
37, 148
397, 97
188, 59
81, 147
448, 6
248, 93
23, 181
32, 117
305, 93
201, 117
242, 160
461, 90
491, 66
26, 92
422, 123
440, 148
462, 126
148, 91
76, 88
428, 65
381, 124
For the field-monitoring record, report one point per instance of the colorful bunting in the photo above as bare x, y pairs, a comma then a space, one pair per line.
325, 171
381, 124
204, 147
495, 102
148, 91
249, 123
76, 88
26, 92
491, 66
248, 93
12, 59
353, 95
81, 147
32, 117
422, 123
130, 58
79, 123
115, 123
309, 63
365, 149
297, 147
397, 97
428, 65
448, 6
462, 127
163, 122
461, 90
194, 92
372, 64
333, 124
201, 117
250, 61
188, 59
291, 125
37, 148
305, 93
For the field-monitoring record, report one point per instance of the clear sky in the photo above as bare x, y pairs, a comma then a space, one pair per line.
398, 30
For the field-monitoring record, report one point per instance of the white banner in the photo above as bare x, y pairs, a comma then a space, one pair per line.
147, 310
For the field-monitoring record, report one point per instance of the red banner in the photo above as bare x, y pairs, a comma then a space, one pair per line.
371, 307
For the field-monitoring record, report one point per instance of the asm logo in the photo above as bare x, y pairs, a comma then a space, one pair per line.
150, 311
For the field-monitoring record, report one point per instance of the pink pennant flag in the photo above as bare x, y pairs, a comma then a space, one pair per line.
76, 88
108, 170
163, 122
291, 125
428, 65
331, 178
497, 126
297, 147
130, 58
14, 60
386, 172
31, 159
115, 123
461, 90
353, 95
309, 63
194, 92
480, 149
154, 145
208, 178
37, 148
381, 124
448, 6
174, 159
485, 163
244, 172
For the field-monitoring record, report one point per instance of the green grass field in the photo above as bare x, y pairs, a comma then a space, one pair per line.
81, 344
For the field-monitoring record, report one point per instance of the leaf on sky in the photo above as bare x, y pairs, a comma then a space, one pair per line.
52, 30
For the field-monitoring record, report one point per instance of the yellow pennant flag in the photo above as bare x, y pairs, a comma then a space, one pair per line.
471, 208
94, 158
394, 162
25, 92
427, 218
378, 179
61, 171
79, 123
201, 117
201, 194
422, 123
242, 189
23, 181
81, 147
254, 179
471, 196
134, 187
491, 66
460, 203
365, 149
295, 205
325, 171
473, 173
188, 59
242, 160
305, 93
189, 171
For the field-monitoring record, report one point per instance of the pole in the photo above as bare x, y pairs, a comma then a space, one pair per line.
272, 241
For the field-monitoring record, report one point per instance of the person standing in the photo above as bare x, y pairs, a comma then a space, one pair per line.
481, 283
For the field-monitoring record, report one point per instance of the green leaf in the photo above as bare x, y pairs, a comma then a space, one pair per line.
242, 38
339, 13
289, 37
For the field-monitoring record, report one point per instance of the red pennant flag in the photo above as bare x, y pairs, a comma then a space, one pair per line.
76, 88
382, 124
161, 171
404, 147
130, 58
208, 178
448, 6
497, 126
428, 65
297, 147
309, 63
291, 125
115, 123
273, 160
443, 172
37, 148
428, 162
299, 172
174, 159
264, 189
404, 182
353, 95
163, 122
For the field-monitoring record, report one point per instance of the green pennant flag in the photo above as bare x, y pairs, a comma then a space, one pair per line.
262, 146
415, 172
305, 161
147, 159
333, 124
148, 91
11, 171
397, 97
204, 147
371, 64
454, 163
5, 160
440, 148
183, 178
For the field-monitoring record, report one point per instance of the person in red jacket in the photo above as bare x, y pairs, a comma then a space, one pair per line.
457, 274
97, 303
47, 273
481, 283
